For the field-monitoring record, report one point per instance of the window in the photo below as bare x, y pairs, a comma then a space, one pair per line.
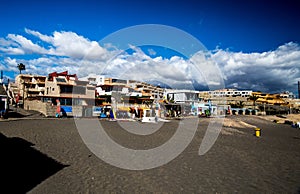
61, 80
118, 81
66, 89
79, 90
66, 101
148, 113
46, 99
76, 101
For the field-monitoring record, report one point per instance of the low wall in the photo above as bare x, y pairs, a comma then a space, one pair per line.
45, 108
77, 111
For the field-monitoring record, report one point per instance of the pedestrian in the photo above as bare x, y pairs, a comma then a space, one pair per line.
58, 109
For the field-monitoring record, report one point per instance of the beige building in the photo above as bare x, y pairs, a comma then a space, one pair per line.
272, 99
29, 86
225, 93
228, 97
129, 91
36, 92
146, 89
68, 89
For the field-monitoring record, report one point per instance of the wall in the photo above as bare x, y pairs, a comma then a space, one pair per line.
49, 110
45, 108
52, 88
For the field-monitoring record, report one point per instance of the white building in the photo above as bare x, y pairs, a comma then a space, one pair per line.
94, 79
181, 96
230, 93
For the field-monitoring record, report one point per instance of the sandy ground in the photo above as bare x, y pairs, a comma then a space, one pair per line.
291, 117
57, 161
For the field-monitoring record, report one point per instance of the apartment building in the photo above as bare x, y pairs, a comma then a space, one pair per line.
228, 93
40, 93
272, 99
126, 91
28, 86
68, 89
147, 89
181, 96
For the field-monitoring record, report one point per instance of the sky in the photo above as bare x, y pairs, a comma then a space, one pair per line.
248, 44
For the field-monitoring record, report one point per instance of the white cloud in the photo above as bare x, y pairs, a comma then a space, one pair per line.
43, 37
72, 45
12, 51
8, 64
5, 43
26, 45
140, 66
272, 71
208, 70
67, 44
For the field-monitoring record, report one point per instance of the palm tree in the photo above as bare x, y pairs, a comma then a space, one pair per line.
21, 67
253, 98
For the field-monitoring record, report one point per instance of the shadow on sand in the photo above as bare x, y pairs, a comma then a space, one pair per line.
23, 167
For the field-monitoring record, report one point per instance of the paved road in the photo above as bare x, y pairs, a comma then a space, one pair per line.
238, 162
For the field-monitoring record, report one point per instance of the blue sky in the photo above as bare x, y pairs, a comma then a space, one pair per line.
237, 30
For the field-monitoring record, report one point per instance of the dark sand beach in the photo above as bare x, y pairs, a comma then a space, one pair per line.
41, 155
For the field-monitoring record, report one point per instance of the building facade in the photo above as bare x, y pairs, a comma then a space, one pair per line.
228, 93
4, 106
29, 86
41, 93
